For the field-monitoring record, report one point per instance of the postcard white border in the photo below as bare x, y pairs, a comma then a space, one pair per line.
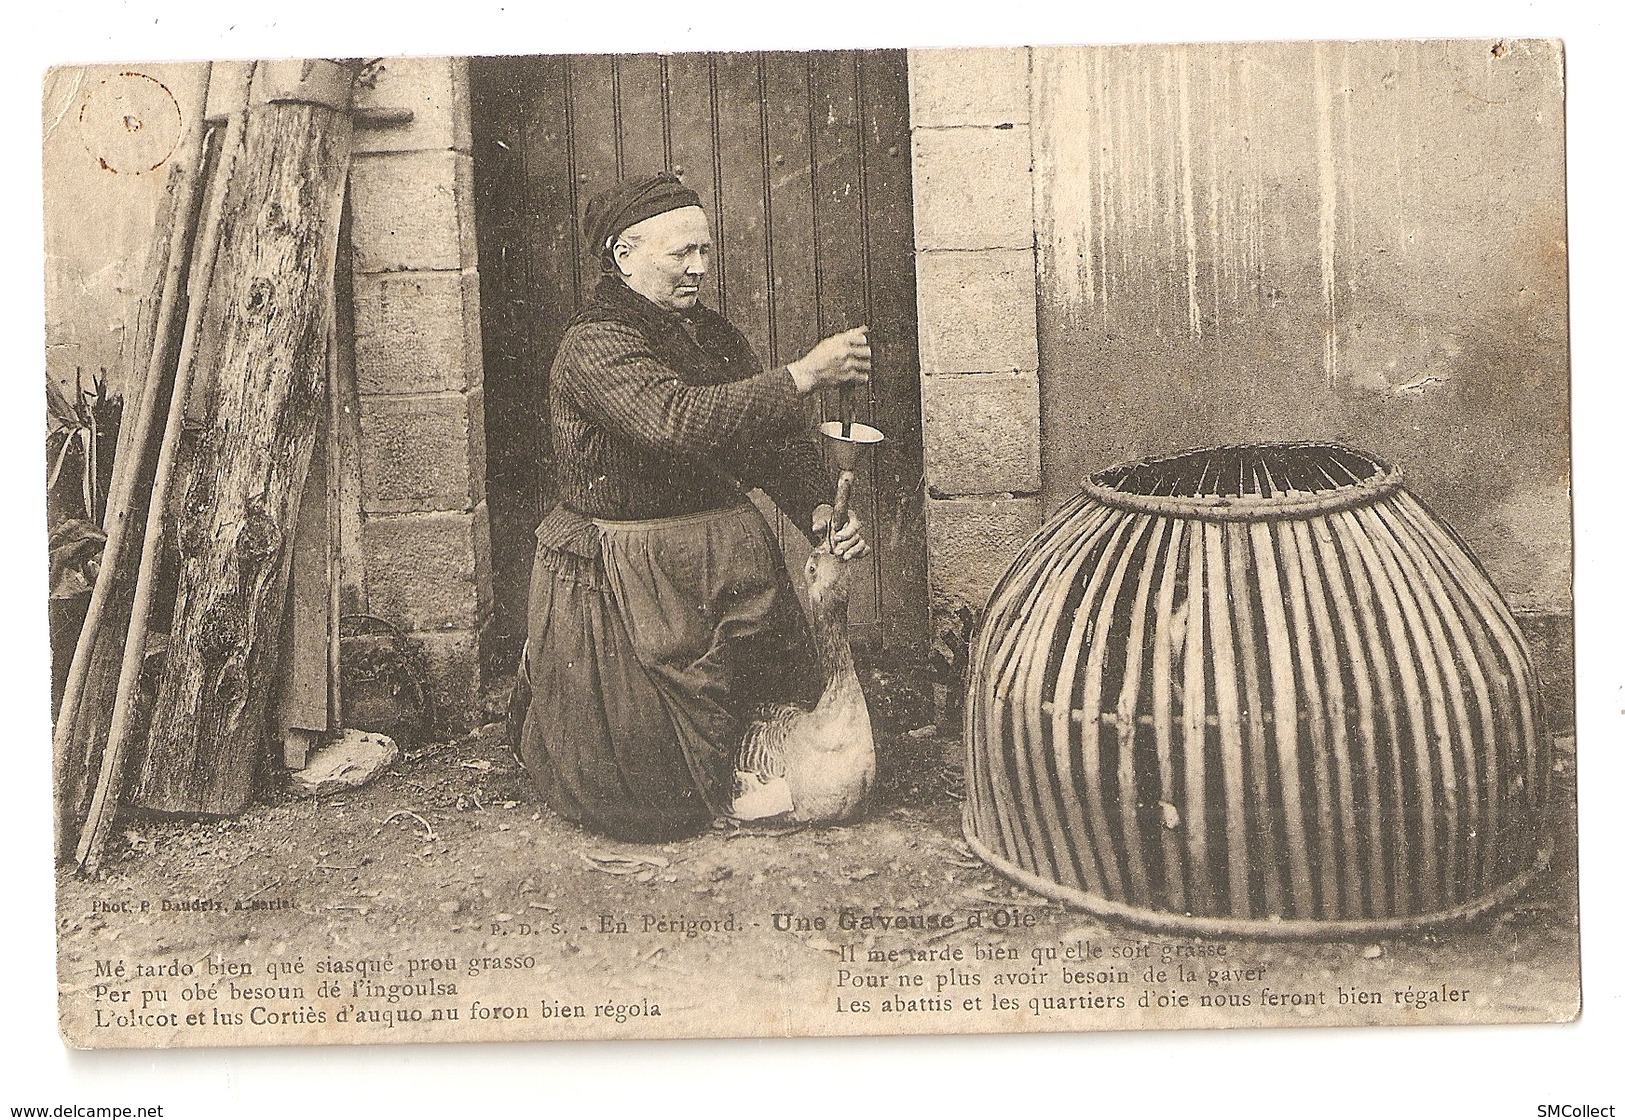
1483, 1071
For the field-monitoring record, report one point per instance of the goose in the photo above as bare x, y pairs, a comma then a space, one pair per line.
812, 765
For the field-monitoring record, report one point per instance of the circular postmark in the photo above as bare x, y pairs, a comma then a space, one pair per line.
130, 123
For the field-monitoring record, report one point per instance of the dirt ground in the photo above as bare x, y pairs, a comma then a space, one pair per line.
450, 852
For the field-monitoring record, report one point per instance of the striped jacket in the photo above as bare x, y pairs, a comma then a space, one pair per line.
656, 414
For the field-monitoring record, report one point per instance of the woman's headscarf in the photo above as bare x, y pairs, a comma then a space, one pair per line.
611, 212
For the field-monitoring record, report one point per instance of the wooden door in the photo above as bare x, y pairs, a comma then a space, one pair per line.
802, 161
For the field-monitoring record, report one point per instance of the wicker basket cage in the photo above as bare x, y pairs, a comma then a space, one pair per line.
1256, 690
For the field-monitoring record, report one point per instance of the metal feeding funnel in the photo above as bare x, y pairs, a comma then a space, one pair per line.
847, 441
847, 448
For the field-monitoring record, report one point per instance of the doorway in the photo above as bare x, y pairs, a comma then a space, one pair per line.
803, 162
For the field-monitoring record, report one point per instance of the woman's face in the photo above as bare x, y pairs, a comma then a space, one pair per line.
664, 258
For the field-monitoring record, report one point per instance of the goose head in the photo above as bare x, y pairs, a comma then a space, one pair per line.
829, 578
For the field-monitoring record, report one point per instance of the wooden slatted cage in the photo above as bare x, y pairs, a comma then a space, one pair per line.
1256, 691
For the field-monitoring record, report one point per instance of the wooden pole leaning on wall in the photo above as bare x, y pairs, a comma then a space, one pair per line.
270, 311
80, 732
335, 546
86, 700
115, 756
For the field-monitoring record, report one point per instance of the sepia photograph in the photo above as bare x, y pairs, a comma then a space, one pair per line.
785, 542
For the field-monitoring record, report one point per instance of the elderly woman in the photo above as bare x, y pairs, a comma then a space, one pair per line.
660, 608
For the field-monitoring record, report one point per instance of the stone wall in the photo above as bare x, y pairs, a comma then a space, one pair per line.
1156, 248
977, 293
425, 536
416, 535
1362, 242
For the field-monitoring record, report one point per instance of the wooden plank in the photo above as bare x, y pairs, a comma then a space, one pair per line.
792, 263
92, 673
150, 311
745, 271
593, 136
888, 200
693, 151
790, 206
837, 191
500, 99
302, 701
120, 742
344, 414
502, 96
641, 113
742, 198
553, 272
307, 695
201, 394
341, 338
524, 207
843, 303
899, 526
91, 681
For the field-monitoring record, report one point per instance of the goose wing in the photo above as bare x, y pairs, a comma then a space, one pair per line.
761, 790
762, 750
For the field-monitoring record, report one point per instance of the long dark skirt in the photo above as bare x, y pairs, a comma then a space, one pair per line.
640, 668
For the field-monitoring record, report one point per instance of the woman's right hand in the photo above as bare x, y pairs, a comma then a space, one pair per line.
840, 359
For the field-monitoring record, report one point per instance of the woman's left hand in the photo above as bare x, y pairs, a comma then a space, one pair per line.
847, 541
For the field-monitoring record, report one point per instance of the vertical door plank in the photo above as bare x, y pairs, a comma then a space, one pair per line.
837, 187
641, 111
743, 200
742, 220
748, 229
552, 256
500, 102
888, 197
838, 219
790, 200
693, 150
790, 241
594, 140
507, 95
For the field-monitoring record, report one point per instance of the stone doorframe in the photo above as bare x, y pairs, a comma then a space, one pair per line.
419, 555
976, 272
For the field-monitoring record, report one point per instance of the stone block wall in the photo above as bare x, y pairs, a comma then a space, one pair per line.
425, 536
976, 272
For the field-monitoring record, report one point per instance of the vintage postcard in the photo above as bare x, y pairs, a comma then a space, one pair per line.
1059, 538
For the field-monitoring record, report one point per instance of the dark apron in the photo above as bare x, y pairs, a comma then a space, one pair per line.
641, 670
